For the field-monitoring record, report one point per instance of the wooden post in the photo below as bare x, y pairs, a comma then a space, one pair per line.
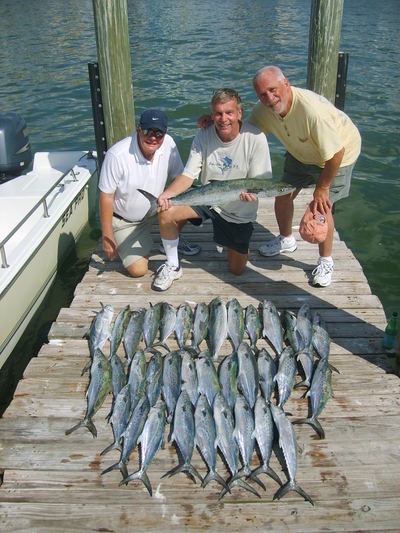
114, 59
323, 49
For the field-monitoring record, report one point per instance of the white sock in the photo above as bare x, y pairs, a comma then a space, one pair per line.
171, 251
288, 238
327, 259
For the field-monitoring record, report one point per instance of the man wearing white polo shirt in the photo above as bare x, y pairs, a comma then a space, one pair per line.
145, 160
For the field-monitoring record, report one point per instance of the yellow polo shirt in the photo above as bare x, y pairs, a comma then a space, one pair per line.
313, 131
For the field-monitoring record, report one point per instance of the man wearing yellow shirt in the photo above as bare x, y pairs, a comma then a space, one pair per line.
322, 146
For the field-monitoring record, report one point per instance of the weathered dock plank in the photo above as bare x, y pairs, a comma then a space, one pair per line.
53, 482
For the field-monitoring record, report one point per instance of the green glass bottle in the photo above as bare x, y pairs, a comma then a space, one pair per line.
390, 335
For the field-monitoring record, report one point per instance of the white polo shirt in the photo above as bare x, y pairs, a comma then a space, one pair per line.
125, 170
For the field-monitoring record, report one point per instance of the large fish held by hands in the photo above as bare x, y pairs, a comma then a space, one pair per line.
219, 192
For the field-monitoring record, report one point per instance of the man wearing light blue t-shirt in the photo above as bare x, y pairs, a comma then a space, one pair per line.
229, 149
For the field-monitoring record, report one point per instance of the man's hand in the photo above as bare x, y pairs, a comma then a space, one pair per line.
205, 121
109, 247
248, 197
164, 201
321, 200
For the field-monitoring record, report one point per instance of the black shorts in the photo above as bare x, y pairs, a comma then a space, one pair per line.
229, 234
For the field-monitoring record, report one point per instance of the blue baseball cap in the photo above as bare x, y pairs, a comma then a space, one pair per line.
154, 119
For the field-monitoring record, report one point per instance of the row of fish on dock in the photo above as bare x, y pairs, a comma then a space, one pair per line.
227, 406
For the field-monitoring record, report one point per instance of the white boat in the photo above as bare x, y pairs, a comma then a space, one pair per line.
42, 214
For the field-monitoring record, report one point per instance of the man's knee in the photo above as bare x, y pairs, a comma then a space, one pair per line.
138, 269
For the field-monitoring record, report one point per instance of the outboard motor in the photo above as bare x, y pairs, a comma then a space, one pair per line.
15, 148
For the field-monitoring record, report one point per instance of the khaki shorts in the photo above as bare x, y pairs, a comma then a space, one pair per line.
134, 239
300, 175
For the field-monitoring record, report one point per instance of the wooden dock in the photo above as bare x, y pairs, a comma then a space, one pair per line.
53, 482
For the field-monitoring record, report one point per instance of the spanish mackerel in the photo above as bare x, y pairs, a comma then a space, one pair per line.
226, 443
264, 435
134, 332
319, 393
272, 327
183, 436
219, 192
100, 328
248, 379
235, 322
150, 441
119, 418
131, 435
200, 324
252, 324
99, 386
218, 325
245, 437
205, 436
288, 444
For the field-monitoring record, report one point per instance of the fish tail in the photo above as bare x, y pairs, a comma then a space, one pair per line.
258, 481
314, 423
184, 467
214, 476
244, 485
237, 481
192, 470
86, 422
333, 368
112, 446
91, 427
287, 487
246, 472
122, 468
160, 343
150, 349
266, 469
74, 428
140, 474
86, 368
112, 467
304, 383
195, 350
153, 203
173, 471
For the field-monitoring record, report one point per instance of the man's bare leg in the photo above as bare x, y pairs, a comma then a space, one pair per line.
284, 209
237, 261
139, 268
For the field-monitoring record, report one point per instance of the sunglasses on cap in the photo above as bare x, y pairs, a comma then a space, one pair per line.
150, 132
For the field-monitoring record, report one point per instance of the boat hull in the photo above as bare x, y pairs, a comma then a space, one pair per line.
32, 278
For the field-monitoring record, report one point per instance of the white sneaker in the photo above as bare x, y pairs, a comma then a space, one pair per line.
185, 247
278, 245
165, 277
322, 274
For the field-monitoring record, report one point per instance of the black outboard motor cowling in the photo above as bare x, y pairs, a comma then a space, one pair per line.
15, 148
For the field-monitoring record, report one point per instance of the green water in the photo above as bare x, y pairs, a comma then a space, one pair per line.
181, 50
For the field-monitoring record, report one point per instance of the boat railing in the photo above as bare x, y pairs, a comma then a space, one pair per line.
43, 202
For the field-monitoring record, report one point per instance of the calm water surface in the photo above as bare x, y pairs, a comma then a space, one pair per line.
181, 50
